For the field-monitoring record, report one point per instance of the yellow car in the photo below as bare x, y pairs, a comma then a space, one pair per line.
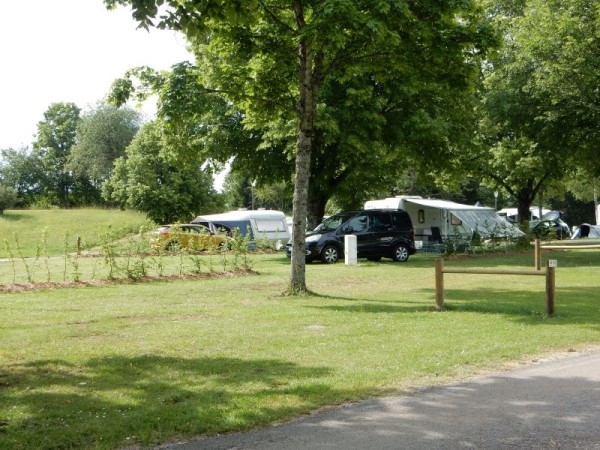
191, 236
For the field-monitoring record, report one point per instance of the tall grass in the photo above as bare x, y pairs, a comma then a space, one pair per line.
138, 365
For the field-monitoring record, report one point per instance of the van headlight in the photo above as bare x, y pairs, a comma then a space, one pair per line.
313, 238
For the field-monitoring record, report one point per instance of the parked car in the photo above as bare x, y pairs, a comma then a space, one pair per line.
550, 223
379, 234
193, 236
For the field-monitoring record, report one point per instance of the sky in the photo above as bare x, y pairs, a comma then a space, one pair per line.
69, 51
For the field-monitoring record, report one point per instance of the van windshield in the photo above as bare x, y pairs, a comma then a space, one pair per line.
333, 223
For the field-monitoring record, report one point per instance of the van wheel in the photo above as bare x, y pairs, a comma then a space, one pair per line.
401, 253
330, 254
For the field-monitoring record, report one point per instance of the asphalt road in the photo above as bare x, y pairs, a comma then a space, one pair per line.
553, 404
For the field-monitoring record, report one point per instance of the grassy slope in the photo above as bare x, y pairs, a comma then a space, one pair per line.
89, 224
121, 365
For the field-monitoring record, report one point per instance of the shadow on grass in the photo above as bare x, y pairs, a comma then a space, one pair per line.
115, 401
14, 216
369, 305
573, 305
549, 410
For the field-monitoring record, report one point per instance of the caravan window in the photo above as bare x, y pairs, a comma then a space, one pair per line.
455, 220
266, 226
421, 216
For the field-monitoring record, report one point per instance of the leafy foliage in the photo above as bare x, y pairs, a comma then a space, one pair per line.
56, 136
540, 121
151, 181
102, 136
281, 64
21, 170
8, 198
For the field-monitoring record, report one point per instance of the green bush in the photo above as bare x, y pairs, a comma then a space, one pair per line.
8, 198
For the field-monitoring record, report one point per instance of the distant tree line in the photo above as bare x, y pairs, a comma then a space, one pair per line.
456, 100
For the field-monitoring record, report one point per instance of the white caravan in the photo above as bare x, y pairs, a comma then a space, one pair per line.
512, 214
437, 220
257, 224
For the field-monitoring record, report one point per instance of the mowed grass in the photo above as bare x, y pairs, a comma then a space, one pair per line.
144, 364
91, 225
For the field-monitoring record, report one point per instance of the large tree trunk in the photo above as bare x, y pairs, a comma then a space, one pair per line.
317, 201
306, 116
524, 201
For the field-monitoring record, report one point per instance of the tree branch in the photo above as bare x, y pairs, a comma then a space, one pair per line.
276, 18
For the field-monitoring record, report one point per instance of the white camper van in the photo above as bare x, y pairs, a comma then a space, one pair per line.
436, 220
258, 224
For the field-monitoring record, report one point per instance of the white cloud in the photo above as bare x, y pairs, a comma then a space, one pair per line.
68, 51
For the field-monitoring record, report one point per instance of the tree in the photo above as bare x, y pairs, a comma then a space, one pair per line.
21, 170
276, 52
148, 180
55, 138
102, 136
237, 190
540, 119
8, 198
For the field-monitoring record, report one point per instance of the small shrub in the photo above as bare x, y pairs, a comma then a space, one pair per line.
8, 198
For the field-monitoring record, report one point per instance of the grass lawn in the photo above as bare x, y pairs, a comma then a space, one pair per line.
88, 224
142, 364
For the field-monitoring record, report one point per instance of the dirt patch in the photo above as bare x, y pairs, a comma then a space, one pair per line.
22, 287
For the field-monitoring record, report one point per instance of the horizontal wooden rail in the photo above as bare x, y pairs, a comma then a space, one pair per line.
549, 273
569, 246
538, 246
495, 271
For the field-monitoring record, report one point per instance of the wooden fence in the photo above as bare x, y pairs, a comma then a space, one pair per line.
549, 273
566, 245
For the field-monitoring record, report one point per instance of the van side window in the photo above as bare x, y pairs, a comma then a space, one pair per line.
401, 220
380, 222
356, 224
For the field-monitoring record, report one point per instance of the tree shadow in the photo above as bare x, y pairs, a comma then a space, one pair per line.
573, 305
14, 216
558, 410
116, 401
371, 305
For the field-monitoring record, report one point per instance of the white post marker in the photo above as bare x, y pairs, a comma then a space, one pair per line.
350, 249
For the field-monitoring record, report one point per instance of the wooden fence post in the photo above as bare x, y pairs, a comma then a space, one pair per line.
550, 287
538, 254
78, 245
439, 283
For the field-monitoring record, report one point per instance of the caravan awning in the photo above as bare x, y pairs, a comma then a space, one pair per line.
476, 218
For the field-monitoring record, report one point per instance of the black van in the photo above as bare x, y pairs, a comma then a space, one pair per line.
380, 233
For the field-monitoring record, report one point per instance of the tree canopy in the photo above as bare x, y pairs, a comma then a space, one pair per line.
148, 179
541, 98
102, 136
274, 60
